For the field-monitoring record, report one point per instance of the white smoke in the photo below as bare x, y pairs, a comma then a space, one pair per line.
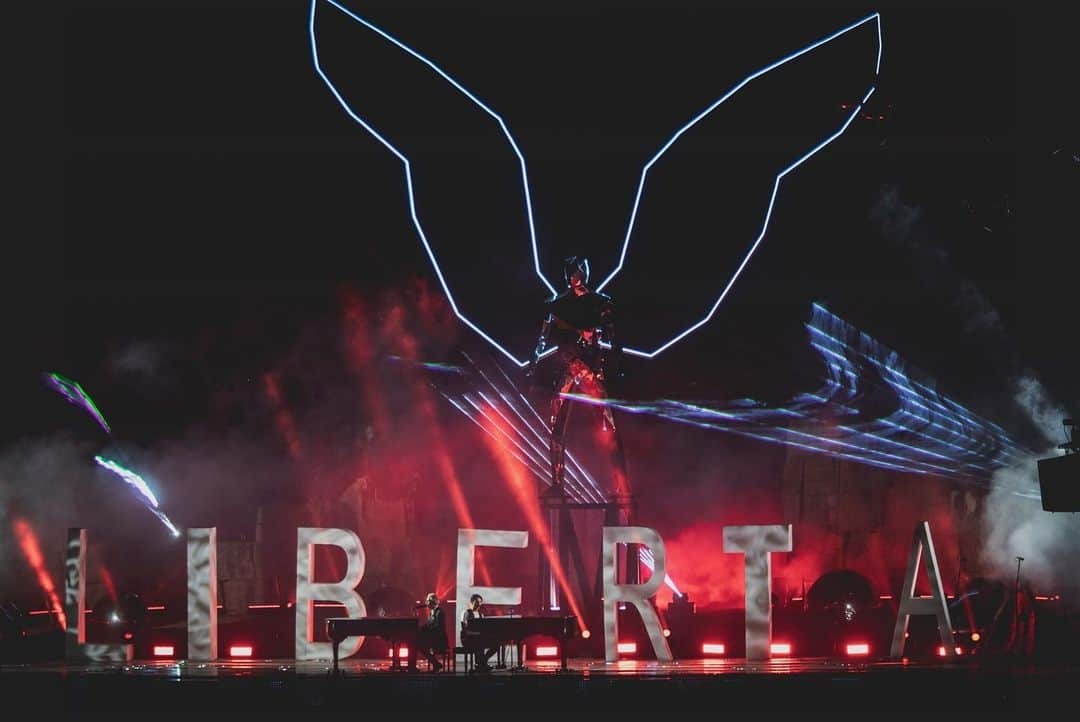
1013, 520
1017, 526
41, 483
150, 367
1045, 414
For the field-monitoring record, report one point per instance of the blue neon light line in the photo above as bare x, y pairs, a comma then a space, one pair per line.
524, 173
983, 435
908, 394
408, 167
746, 260
776, 184
702, 114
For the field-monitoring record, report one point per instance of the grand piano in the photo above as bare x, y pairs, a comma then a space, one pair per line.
502, 630
396, 630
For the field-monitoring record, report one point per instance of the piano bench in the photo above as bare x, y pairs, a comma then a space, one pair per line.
467, 654
445, 656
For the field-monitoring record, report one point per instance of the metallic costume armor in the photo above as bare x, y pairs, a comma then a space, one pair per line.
580, 323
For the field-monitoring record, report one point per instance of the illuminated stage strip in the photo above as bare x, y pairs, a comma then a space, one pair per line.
875, 17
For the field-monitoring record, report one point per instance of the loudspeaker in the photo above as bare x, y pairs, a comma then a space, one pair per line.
1059, 483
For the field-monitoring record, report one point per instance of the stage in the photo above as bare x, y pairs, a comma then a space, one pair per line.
818, 686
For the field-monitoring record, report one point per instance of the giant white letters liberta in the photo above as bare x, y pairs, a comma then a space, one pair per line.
467, 541
934, 604
636, 594
757, 543
75, 647
307, 591
202, 594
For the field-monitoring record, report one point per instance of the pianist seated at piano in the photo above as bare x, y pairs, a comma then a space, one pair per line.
471, 638
431, 637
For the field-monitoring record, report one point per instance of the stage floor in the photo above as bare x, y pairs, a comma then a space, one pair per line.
839, 688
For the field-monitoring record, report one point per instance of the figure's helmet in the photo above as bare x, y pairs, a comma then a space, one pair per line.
576, 267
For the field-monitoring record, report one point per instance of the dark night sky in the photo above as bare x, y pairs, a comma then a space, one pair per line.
211, 191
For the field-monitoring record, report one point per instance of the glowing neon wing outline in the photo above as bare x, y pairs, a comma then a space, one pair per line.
876, 17
408, 166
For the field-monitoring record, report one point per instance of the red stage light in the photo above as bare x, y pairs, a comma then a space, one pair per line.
667, 632
402, 652
941, 651
780, 648
975, 636
240, 650
626, 647
585, 634
712, 648
164, 650
156, 608
858, 649
128, 635
547, 651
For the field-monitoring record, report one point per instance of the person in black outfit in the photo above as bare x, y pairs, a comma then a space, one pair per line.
471, 639
432, 638
580, 322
